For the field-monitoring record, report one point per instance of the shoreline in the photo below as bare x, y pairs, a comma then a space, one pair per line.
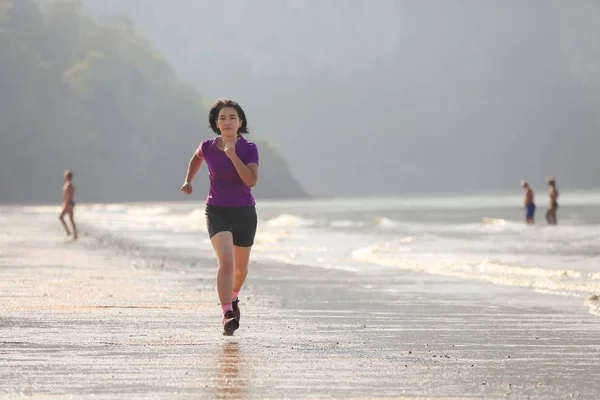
434, 196
79, 322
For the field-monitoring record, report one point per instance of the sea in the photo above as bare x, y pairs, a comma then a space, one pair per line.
482, 240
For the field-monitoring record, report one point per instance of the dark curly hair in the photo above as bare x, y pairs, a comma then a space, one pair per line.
213, 114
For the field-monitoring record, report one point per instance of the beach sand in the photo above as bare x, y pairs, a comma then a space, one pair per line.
82, 321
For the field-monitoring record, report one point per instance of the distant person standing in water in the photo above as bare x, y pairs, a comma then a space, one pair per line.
231, 218
68, 200
529, 203
553, 206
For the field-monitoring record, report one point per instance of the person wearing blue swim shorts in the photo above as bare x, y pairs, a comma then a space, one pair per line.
529, 203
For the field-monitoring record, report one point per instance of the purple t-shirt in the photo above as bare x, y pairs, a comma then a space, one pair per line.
226, 187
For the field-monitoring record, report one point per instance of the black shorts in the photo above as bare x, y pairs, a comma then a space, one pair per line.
240, 221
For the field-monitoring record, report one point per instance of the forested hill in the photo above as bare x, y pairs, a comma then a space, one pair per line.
97, 98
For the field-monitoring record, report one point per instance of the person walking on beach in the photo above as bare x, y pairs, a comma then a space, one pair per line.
231, 218
553, 206
529, 203
68, 200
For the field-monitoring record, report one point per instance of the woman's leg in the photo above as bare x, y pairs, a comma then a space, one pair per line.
222, 243
242, 258
243, 239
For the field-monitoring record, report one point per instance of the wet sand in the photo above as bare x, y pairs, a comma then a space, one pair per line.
88, 323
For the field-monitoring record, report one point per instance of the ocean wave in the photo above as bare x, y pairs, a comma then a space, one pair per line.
289, 220
593, 302
559, 280
487, 224
194, 221
115, 207
148, 210
270, 237
41, 209
345, 223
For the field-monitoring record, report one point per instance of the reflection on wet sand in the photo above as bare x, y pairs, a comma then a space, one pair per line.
229, 383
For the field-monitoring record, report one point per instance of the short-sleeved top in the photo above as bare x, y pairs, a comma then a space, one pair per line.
226, 187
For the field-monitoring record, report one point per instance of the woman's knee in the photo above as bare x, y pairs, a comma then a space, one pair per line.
225, 258
241, 269
223, 246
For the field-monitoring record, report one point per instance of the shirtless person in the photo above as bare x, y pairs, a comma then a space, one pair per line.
553, 206
68, 203
529, 204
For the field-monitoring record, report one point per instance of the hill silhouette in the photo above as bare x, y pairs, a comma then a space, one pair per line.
98, 98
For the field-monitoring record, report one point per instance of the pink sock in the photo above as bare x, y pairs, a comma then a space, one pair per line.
235, 295
226, 307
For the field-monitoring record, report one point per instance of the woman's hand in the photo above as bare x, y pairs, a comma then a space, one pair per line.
187, 188
229, 150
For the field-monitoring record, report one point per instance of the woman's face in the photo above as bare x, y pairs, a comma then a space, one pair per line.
228, 122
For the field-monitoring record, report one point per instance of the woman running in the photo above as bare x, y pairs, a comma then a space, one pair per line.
231, 219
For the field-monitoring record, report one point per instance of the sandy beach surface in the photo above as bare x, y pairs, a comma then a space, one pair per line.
84, 321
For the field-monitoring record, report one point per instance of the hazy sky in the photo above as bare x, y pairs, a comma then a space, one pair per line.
396, 96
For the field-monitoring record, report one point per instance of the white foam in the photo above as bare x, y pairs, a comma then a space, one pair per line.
493, 221
488, 224
147, 210
593, 302
385, 222
105, 207
562, 280
193, 221
288, 220
42, 209
346, 224
271, 237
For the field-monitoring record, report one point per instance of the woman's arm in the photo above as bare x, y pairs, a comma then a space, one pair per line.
248, 173
193, 167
